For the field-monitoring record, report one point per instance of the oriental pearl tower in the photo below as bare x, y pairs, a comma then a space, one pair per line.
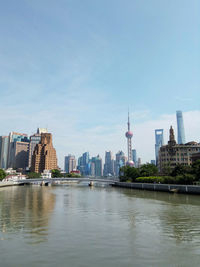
129, 135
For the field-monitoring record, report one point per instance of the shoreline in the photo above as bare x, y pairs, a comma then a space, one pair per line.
169, 188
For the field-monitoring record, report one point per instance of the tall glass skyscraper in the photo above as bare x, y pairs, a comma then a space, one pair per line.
159, 141
180, 127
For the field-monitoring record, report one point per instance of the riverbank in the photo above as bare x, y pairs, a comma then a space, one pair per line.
7, 183
170, 188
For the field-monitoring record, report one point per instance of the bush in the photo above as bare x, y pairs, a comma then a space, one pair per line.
2, 174
149, 179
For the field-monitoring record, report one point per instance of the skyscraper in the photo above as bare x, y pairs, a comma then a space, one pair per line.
120, 161
180, 127
159, 141
34, 140
96, 166
134, 153
4, 144
20, 155
44, 155
13, 138
109, 164
70, 163
129, 135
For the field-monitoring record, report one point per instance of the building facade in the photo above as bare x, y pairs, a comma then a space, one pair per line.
20, 155
44, 155
174, 154
180, 127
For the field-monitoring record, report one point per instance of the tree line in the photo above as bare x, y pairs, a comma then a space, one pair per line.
148, 173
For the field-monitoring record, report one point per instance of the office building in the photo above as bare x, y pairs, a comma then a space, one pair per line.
13, 138
109, 164
70, 163
174, 154
20, 155
34, 140
180, 127
96, 166
120, 161
44, 155
159, 141
84, 164
134, 155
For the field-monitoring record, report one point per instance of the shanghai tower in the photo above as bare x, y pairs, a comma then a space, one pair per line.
180, 127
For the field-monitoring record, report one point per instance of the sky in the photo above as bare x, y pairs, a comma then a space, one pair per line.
77, 66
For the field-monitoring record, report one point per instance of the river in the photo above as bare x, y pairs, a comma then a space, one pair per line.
100, 226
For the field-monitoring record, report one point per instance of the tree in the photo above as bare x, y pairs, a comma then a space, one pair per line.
2, 174
33, 175
56, 173
196, 169
128, 173
148, 170
180, 170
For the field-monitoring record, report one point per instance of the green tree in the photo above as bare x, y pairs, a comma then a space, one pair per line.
56, 173
128, 173
196, 169
32, 175
148, 170
180, 170
2, 174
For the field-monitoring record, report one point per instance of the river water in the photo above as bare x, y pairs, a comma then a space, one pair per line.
100, 226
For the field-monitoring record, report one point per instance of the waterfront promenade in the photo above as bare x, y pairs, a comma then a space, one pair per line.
171, 188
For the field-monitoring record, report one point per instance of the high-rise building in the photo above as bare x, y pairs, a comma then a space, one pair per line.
109, 164
70, 163
13, 138
20, 155
4, 145
84, 164
129, 136
159, 141
120, 161
44, 155
134, 153
34, 140
96, 166
180, 127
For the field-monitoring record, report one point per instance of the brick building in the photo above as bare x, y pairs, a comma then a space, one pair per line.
44, 155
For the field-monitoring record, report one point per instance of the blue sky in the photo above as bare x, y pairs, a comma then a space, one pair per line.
76, 66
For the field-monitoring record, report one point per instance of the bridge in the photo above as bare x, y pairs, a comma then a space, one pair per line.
46, 181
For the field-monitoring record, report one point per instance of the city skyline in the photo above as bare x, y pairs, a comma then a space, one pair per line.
75, 67
145, 147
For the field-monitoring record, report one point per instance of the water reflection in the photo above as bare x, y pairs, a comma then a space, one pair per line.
177, 215
26, 209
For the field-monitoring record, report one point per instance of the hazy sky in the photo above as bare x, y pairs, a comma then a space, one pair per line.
76, 66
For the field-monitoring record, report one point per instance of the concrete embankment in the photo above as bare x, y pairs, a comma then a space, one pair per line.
4, 184
172, 188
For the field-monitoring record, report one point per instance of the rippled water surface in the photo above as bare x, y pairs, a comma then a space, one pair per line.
100, 226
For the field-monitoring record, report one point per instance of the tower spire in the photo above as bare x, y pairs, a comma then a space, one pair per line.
128, 121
